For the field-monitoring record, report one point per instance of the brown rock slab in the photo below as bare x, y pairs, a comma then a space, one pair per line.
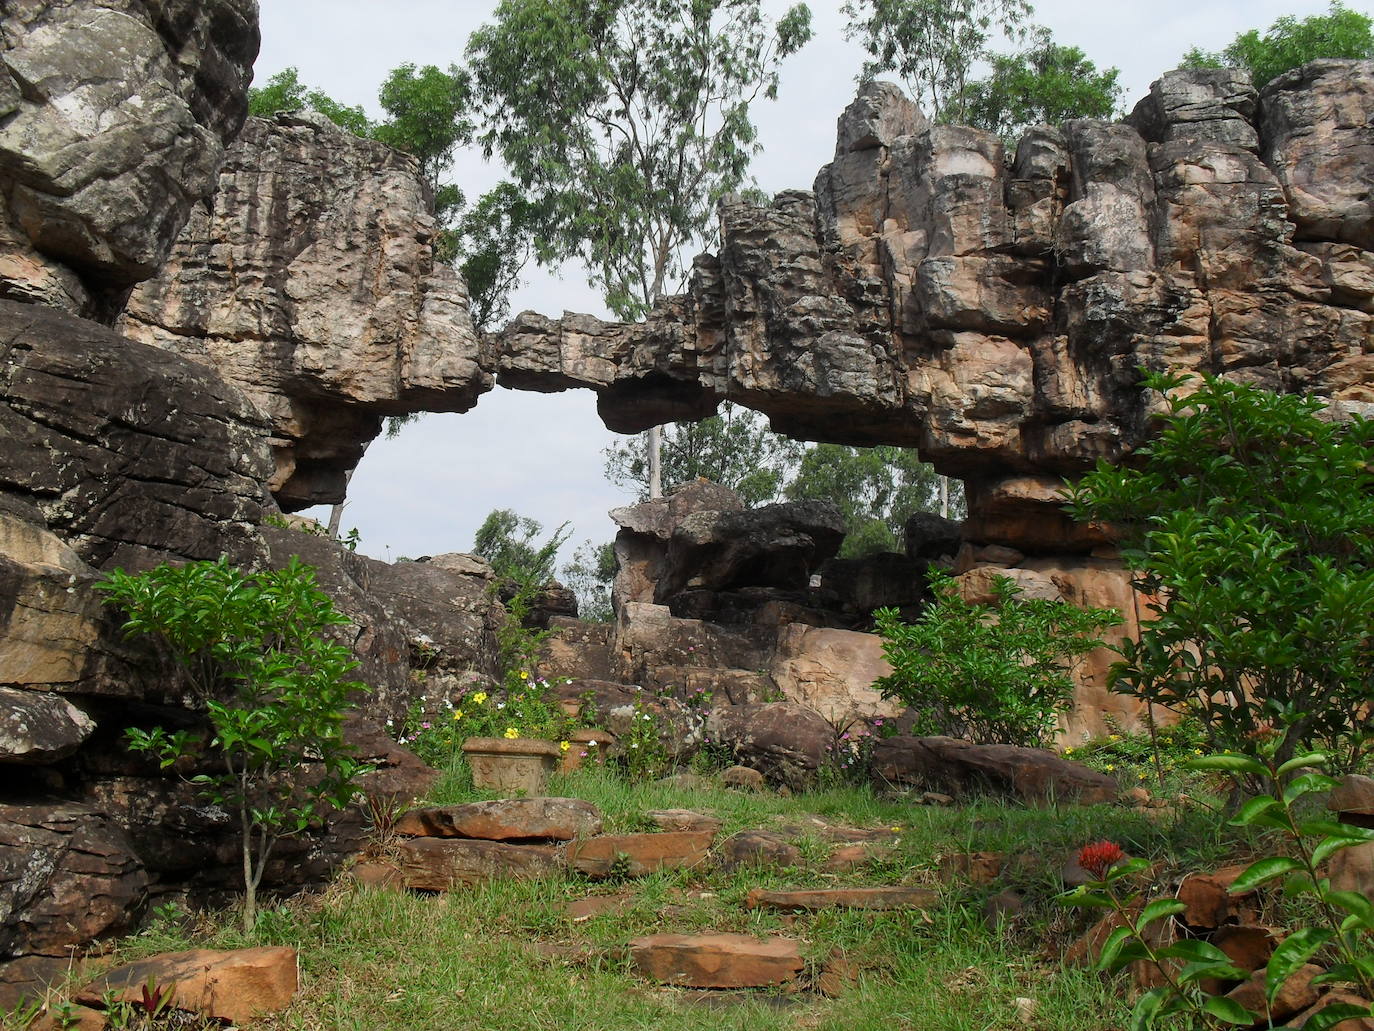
77, 1018
1297, 993
972, 867
1031, 774
377, 873
438, 864
1352, 869
838, 974
580, 910
842, 898
639, 854
1331, 999
1208, 900
717, 960
1249, 947
506, 819
1353, 797
756, 848
848, 858
683, 820
236, 986
743, 778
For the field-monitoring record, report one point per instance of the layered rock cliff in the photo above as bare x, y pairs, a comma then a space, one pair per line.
113, 122
310, 282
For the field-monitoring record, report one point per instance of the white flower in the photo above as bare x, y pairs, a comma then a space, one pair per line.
591, 743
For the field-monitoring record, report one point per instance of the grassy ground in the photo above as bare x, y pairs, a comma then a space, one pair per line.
507, 956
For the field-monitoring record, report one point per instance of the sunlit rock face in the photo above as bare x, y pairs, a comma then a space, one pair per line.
310, 282
114, 116
993, 307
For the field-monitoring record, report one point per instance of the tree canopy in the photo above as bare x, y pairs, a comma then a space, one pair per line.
623, 121
933, 45
285, 92
1044, 82
1289, 43
734, 449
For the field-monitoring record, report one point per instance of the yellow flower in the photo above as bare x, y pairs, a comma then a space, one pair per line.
1068, 751
1142, 774
896, 830
564, 745
524, 674
480, 697
1197, 751
512, 732
457, 714
1113, 737
1109, 767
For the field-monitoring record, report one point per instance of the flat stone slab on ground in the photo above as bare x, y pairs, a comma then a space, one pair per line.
505, 819
841, 898
235, 986
640, 854
717, 960
683, 820
438, 864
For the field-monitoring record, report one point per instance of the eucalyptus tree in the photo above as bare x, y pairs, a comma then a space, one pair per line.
934, 45
624, 121
1289, 43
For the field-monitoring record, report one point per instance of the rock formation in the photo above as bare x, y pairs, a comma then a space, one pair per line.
311, 284
113, 122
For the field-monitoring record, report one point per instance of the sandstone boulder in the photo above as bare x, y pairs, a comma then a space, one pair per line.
832, 672
1030, 774
68, 875
119, 126
440, 864
235, 986
634, 855
119, 473
755, 849
716, 960
39, 728
506, 819
784, 741
311, 284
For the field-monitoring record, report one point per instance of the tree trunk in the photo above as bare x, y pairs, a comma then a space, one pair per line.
336, 511
655, 461
250, 888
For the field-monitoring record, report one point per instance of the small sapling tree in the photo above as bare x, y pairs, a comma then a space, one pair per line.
255, 651
992, 673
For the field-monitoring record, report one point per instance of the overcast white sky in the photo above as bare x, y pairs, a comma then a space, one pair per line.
428, 490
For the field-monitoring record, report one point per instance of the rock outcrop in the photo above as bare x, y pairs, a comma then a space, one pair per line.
311, 283
114, 116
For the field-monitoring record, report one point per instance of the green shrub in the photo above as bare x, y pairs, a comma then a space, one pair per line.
255, 651
1252, 519
989, 673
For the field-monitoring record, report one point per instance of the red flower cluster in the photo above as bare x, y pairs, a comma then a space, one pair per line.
1099, 857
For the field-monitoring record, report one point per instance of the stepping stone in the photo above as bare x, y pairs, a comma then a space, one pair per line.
682, 820
717, 960
842, 898
635, 855
848, 858
236, 986
505, 819
438, 864
757, 849
580, 910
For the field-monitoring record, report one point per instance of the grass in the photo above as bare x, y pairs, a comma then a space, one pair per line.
379, 960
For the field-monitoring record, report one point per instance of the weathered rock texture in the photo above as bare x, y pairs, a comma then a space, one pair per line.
114, 115
128, 451
992, 309
311, 283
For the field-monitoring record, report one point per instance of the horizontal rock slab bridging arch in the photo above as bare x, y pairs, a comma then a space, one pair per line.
934, 289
